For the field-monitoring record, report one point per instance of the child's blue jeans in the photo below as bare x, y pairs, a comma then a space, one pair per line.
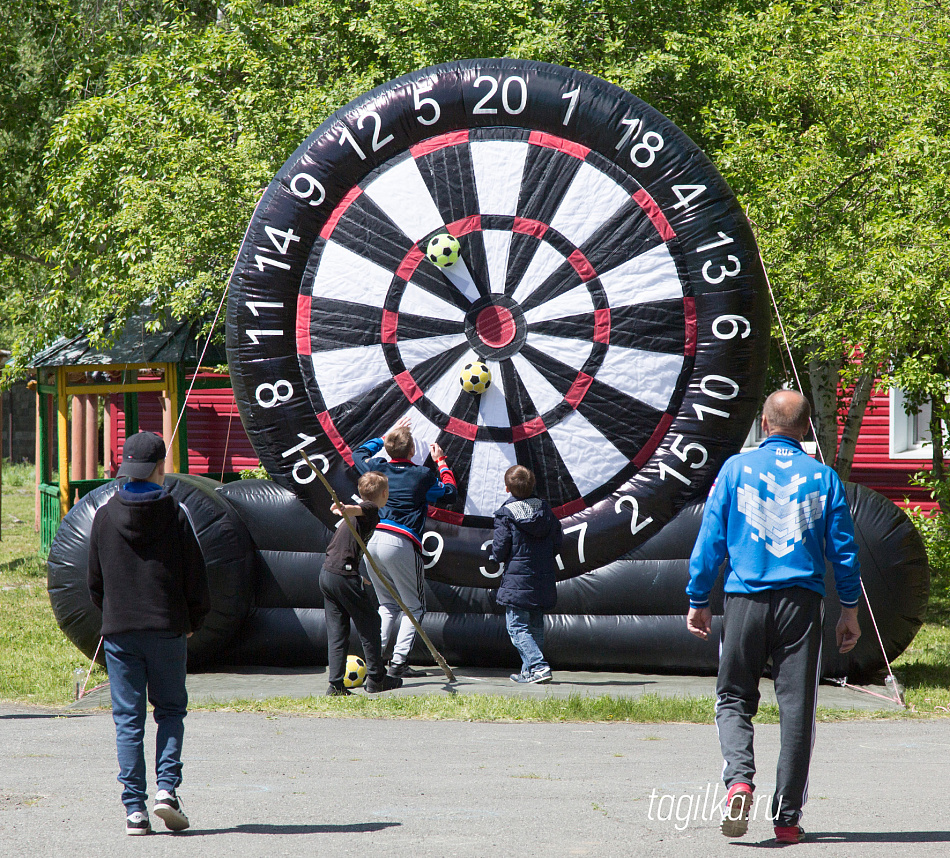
526, 629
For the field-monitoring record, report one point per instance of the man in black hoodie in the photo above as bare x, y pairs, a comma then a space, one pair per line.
527, 539
148, 577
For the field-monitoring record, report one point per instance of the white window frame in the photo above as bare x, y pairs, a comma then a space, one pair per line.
908, 435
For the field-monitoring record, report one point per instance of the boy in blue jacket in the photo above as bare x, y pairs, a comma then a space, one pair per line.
527, 539
397, 542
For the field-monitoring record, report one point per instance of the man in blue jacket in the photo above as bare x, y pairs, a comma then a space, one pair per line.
774, 514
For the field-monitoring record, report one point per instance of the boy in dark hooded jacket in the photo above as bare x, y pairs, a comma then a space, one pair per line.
147, 575
527, 539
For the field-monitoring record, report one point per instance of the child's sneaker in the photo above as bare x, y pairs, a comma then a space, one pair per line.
522, 678
168, 809
542, 675
402, 670
338, 691
789, 834
735, 820
387, 683
137, 823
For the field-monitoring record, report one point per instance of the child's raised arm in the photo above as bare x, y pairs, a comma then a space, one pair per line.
352, 509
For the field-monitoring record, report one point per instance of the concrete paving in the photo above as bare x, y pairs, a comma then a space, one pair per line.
282, 785
260, 683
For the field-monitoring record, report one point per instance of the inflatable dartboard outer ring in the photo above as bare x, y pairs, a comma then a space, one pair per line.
345, 194
225, 545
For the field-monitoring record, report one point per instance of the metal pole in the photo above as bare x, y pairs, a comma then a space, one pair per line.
372, 562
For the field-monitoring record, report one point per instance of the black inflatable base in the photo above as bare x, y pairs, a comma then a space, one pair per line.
265, 549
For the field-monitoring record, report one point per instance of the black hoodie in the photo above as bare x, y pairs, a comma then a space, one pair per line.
145, 566
527, 539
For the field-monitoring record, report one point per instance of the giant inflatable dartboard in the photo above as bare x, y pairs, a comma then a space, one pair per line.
607, 278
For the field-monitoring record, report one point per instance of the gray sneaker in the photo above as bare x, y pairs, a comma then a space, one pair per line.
168, 809
542, 675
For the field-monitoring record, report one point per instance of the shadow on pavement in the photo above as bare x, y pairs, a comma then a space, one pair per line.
25, 716
260, 828
857, 837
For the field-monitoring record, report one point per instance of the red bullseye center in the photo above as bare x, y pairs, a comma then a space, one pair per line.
495, 326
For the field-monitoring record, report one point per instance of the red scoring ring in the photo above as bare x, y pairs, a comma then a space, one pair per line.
495, 326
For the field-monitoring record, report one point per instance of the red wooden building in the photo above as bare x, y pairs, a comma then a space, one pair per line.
216, 442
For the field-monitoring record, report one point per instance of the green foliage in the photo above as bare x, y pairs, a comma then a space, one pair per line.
935, 532
258, 473
838, 147
18, 475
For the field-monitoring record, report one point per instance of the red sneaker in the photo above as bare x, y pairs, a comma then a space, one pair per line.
789, 834
735, 821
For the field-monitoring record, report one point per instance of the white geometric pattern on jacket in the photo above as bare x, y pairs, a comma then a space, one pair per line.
779, 520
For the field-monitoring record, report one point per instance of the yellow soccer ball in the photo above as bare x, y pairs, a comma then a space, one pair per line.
443, 250
355, 672
475, 378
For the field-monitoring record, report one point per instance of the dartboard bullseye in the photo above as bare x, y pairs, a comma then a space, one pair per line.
532, 219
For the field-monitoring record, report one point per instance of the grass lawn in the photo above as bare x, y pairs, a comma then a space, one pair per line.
37, 661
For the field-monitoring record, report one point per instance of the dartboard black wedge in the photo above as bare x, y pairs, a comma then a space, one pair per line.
606, 276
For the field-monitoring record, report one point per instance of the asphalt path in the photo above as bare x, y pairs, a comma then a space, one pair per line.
276, 785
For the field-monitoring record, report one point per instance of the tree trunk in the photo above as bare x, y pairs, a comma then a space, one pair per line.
852, 424
824, 392
937, 473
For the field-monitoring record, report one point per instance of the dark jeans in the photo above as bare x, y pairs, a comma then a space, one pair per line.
147, 667
345, 598
526, 630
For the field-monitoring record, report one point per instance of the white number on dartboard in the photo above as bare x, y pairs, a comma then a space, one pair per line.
435, 553
635, 527
268, 395
733, 388
723, 271
303, 186
683, 454
377, 127
302, 472
430, 103
737, 324
643, 154
513, 103
484, 571
346, 136
280, 238
572, 97
692, 191
581, 530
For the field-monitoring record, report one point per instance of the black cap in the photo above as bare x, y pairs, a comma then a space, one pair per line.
141, 453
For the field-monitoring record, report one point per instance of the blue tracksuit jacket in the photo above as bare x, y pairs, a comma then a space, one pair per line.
411, 488
774, 514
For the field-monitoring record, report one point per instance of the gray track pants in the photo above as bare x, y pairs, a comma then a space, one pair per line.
402, 565
786, 626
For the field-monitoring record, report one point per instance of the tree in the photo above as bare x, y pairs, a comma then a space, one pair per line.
56, 54
837, 146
